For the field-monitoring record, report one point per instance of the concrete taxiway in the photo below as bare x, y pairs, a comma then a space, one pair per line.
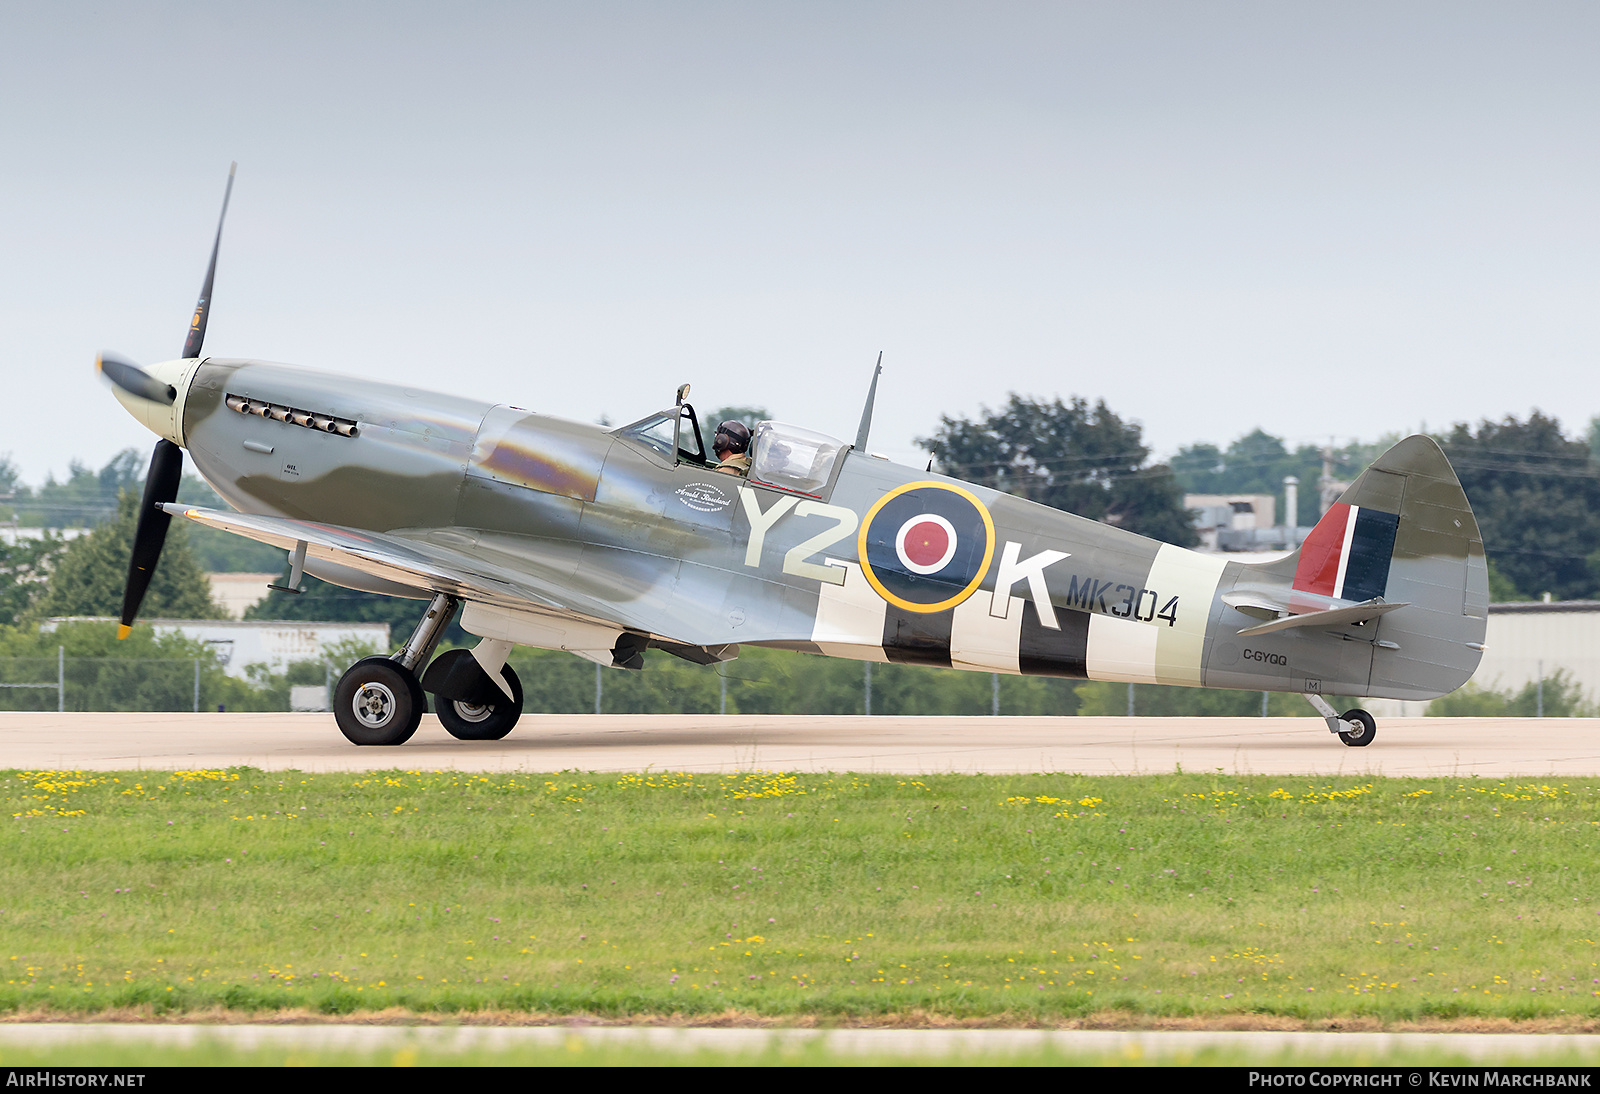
1485, 747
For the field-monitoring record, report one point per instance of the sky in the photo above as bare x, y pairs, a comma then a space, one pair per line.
1323, 220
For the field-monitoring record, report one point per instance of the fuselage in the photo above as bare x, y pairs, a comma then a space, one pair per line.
868, 559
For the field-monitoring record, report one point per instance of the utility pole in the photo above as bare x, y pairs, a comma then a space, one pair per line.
1329, 486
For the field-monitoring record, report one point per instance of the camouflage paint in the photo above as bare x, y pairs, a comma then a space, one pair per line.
520, 511
540, 453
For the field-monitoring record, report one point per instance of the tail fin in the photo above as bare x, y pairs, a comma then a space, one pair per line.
1404, 531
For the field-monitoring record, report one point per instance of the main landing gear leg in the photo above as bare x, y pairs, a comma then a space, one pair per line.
378, 700
1355, 727
420, 646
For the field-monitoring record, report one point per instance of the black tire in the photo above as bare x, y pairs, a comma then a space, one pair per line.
378, 702
470, 722
1367, 728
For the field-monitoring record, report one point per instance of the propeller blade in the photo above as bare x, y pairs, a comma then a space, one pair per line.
160, 485
134, 380
202, 308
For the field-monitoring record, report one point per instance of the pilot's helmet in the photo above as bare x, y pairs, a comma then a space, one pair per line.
731, 436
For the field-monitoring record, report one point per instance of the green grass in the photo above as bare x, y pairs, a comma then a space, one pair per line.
843, 898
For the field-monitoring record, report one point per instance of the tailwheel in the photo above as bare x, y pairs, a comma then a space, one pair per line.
468, 721
378, 702
1363, 728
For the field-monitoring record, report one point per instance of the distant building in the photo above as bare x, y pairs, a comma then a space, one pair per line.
1246, 523
1528, 640
236, 593
11, 534
1226, 513
273, 643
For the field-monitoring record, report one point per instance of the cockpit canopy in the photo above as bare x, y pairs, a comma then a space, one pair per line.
784, 457
792, 459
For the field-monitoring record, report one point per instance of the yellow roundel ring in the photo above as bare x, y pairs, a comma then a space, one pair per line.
894, 577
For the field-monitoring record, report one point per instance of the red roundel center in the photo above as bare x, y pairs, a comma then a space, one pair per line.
926, 543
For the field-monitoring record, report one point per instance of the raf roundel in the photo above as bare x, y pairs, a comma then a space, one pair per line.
925, 546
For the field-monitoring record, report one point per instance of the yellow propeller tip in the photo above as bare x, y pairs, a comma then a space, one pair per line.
123, 630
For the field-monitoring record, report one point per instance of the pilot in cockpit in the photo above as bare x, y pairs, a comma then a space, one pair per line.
731, 445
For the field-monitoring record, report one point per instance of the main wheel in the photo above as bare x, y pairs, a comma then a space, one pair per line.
1366, 728
378, 702
475, 722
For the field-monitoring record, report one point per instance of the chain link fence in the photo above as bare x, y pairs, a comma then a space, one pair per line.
63, 683
554, 682
759, 682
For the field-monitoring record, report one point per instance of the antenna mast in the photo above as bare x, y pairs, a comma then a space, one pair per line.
866, 411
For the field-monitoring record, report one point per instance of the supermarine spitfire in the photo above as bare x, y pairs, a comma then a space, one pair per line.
609, 542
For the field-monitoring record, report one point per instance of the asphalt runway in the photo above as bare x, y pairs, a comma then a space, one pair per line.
1485, 747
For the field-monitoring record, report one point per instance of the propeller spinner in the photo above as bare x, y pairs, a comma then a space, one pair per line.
151, 398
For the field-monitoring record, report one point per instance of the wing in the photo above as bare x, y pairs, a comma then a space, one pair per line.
673, 600
392, 559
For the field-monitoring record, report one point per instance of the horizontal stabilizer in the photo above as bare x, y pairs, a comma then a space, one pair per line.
1333, 617
1254, 604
